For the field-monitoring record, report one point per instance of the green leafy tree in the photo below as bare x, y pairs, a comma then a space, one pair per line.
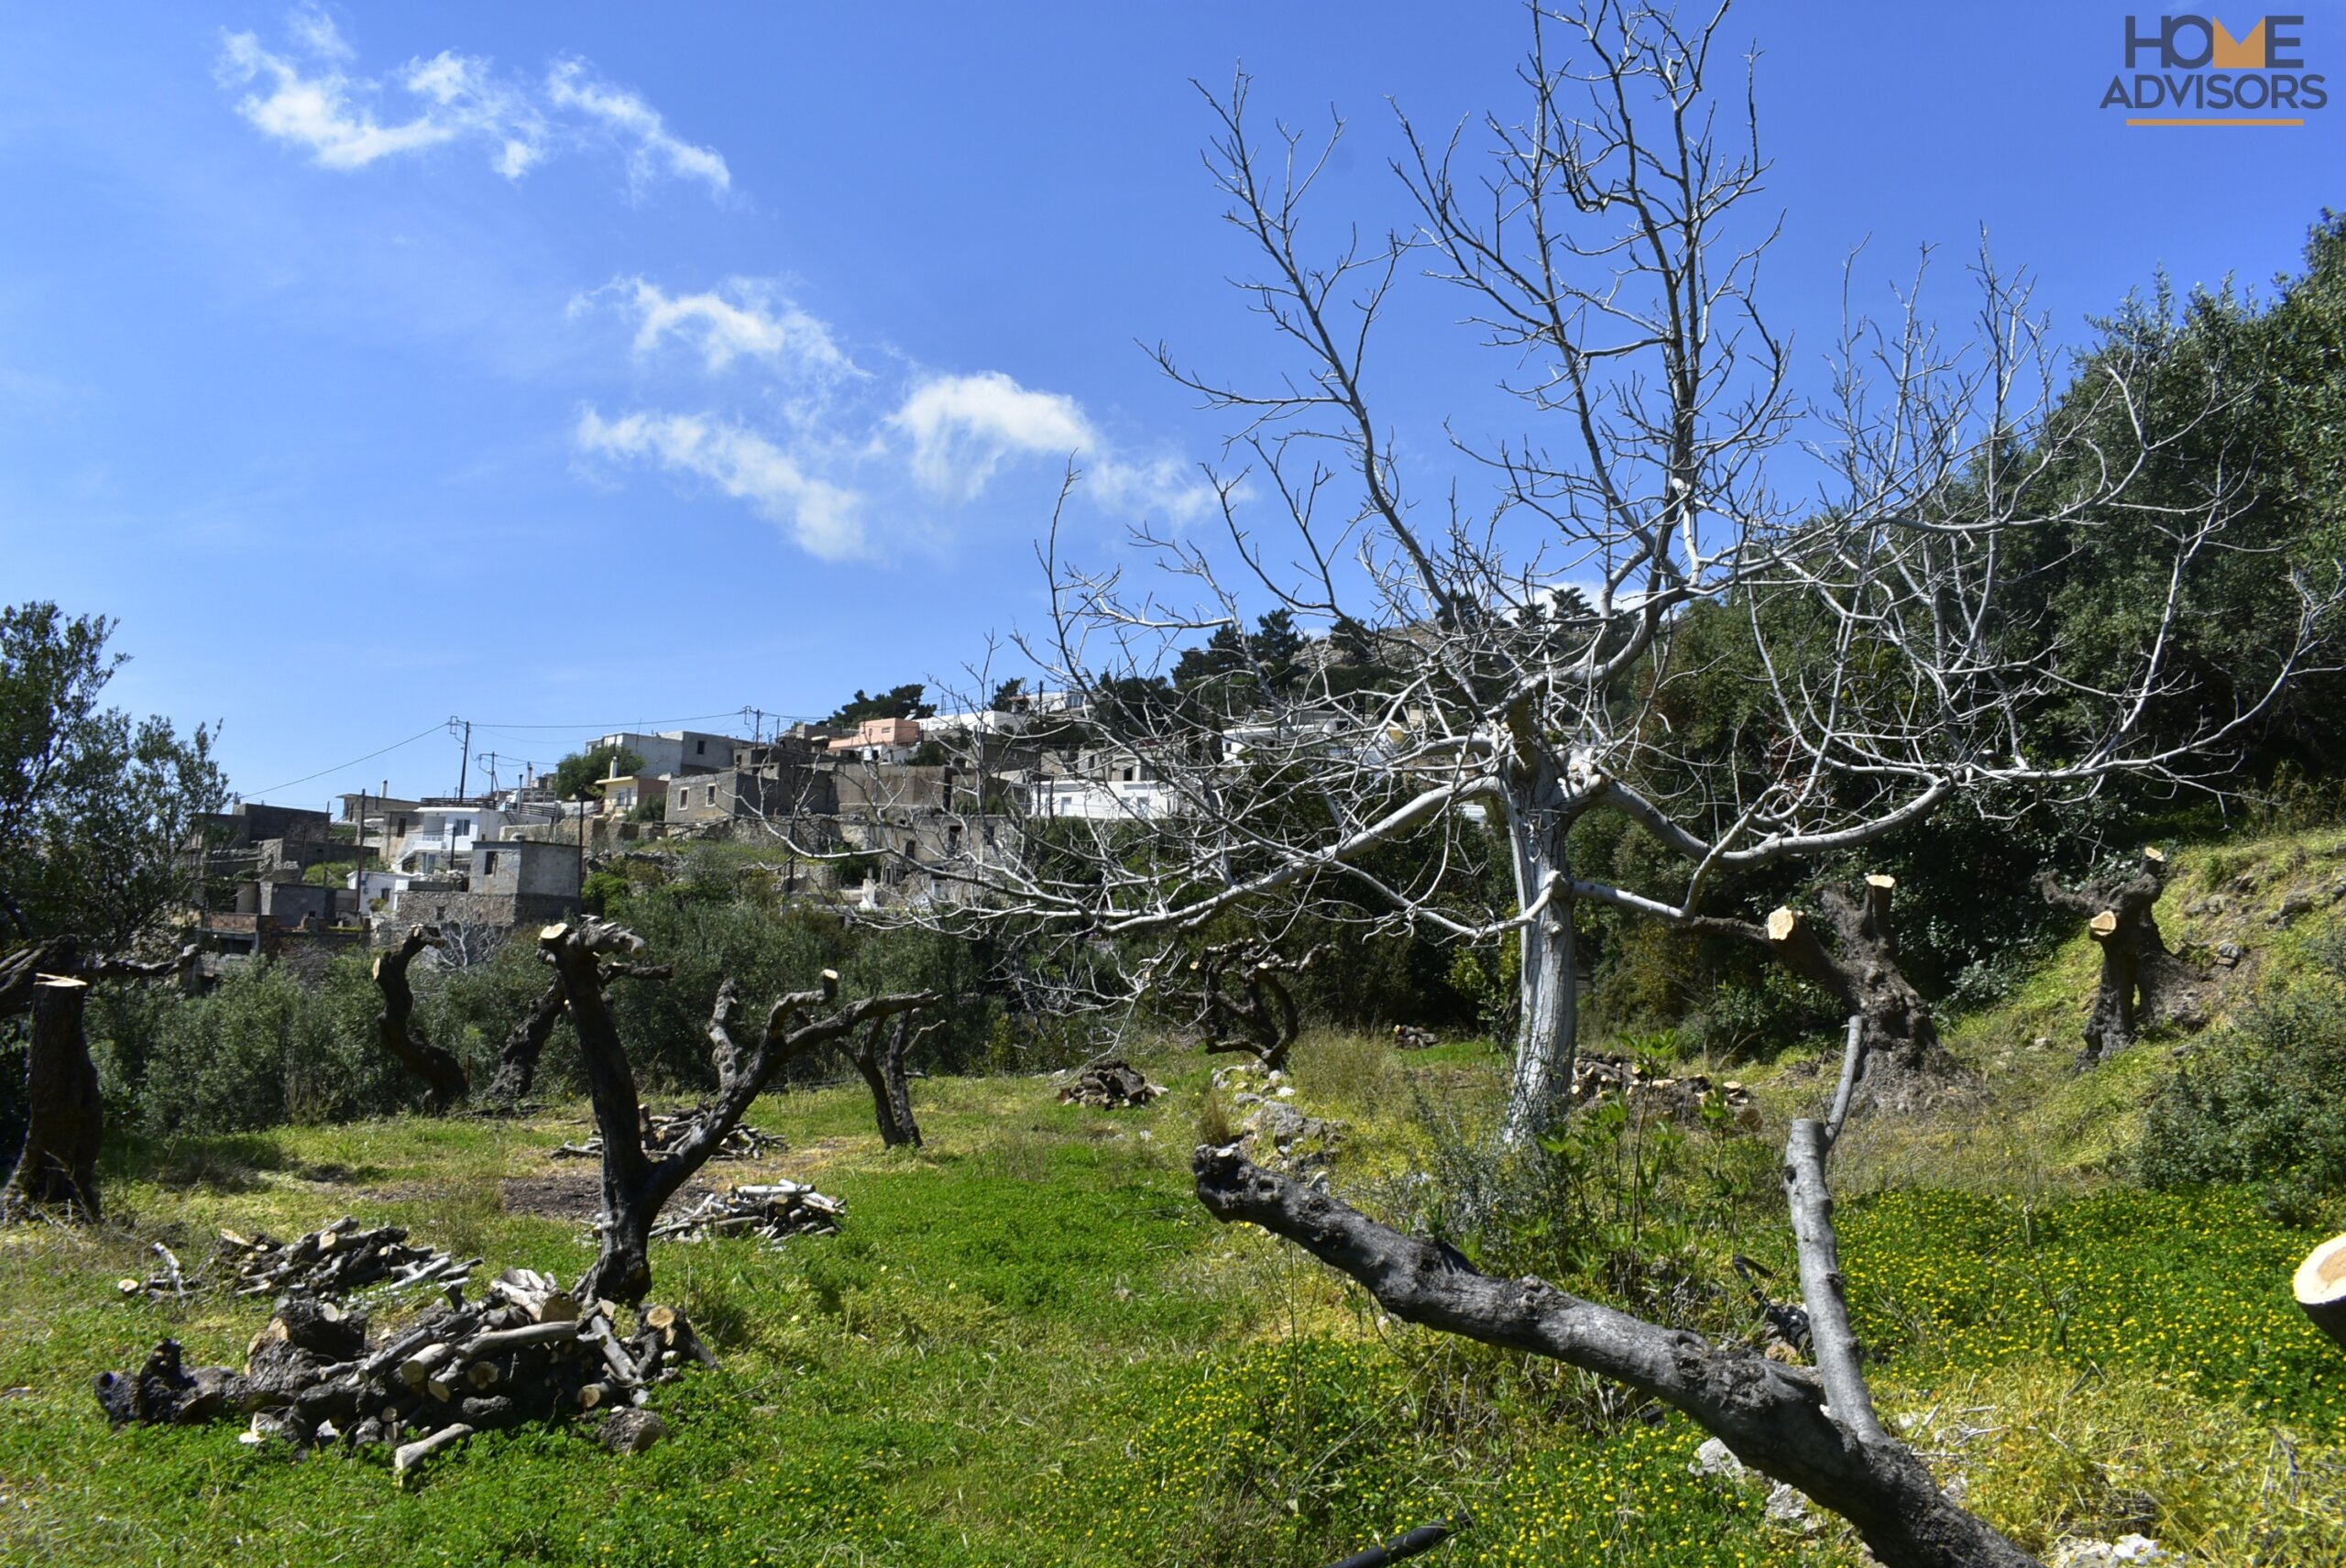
1265, 657
580, 771
896, 702
96, 807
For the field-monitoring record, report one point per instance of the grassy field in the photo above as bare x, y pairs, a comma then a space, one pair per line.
1030, 1345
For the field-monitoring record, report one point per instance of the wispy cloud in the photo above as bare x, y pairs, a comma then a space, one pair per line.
303, 95
823, 519
927, 439
651, 151
740, 317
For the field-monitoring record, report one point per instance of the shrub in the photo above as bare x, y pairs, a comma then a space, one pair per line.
2257, 1104
264, 1050
1616, 1204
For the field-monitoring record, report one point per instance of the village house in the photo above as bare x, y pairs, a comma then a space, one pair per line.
674, 752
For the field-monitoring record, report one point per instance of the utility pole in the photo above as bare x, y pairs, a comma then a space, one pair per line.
464, 756
492, 761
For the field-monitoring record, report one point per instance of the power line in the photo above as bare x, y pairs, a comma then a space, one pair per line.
603, 729
609, 728
433, 729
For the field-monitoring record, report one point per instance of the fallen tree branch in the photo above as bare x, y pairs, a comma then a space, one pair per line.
1815, 1431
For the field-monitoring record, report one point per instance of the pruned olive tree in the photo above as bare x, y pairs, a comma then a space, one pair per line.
1871, 566
585, 955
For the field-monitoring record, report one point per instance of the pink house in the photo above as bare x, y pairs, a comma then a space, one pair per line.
880, 732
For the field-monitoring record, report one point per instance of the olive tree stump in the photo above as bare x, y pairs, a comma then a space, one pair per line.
58, 1165
2143, 983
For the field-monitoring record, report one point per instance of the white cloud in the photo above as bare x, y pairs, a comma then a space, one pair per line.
823, 519
741, 317
1167, 484
316, 32
315, 112
963, 427
572, 86
305, 97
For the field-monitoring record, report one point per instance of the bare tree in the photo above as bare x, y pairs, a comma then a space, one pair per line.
635, 1183
1493, 672
882, 1056
2142, 982
1266, 1023
444, 1080
1815, 1429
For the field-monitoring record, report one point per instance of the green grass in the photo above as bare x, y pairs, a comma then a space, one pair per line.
1029, 1346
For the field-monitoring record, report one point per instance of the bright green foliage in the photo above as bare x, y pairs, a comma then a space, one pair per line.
261, 1050
1291, 1453
2192, 1287
577, 774
1632, 1501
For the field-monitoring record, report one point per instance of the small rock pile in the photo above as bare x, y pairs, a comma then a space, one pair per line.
1110, 1086
1410, 1038
330, 1261
531, 1353
663, 1131
774, 1212
1285, 1139
1594, 1078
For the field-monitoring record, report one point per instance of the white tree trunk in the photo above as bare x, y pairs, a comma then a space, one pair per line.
1548, 988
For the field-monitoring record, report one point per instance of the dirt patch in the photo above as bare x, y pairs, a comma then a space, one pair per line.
572, 1195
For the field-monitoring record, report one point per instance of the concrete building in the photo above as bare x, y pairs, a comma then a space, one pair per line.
1105, 785
879, 741
622, 795
514, 884
676, 751
783, 790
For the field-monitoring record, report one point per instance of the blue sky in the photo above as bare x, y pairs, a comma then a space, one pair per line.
571, 367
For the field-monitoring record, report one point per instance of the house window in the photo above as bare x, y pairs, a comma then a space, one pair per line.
712, 795
700, 748
490, 868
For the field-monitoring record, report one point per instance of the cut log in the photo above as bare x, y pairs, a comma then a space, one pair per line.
1109, 1085
65, 1116
2321, 1288
409, 1455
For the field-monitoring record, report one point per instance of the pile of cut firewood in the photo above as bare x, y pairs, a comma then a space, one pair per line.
773, 1211
1685, 1098
532, 1351
1410, 1038
1109, 1085
330, 1261
664, 1130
